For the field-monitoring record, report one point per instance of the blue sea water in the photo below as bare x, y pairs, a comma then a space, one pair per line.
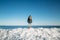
13, 27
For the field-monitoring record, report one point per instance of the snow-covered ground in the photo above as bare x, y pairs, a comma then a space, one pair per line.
30, 34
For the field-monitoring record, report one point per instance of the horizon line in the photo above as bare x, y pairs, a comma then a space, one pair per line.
31, 25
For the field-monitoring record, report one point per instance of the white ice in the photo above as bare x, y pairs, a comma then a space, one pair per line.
30, 34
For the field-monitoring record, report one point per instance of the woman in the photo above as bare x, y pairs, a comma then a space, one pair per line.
29, 20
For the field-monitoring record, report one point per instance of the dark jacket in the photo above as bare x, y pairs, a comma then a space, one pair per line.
29, 19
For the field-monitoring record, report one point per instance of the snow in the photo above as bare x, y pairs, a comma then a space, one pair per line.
30, 34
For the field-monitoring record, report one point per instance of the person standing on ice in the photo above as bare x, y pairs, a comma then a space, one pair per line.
29, 20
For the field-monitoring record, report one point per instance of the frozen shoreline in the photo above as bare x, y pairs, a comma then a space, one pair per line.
30, 34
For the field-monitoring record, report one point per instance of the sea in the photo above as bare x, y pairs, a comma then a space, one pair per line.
13, 27
32, 33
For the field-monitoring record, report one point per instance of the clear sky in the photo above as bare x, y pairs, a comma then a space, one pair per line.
43, 12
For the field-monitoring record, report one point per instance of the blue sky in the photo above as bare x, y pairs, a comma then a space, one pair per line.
16, 12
